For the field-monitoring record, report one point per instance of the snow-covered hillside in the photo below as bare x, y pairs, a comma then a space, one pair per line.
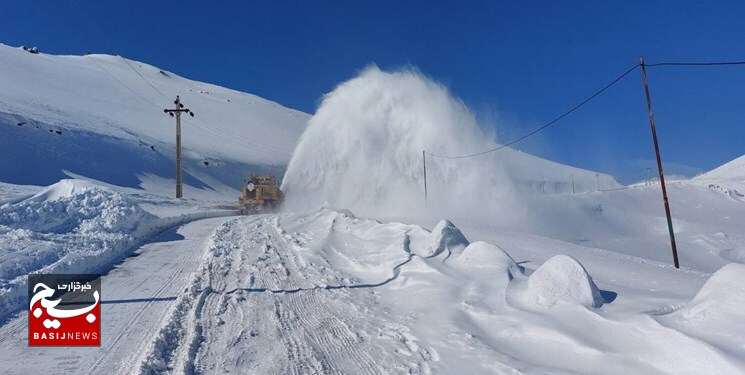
733, 170
101, 117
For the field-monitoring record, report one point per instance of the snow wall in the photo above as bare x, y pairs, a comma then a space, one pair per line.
362, 150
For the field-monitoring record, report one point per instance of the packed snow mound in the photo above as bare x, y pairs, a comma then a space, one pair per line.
722, 297
734, 169
483, 257
74, 206
63, 189
363, 150
562, 279
446, 237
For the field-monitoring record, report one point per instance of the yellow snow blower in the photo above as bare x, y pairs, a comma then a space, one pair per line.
260, 193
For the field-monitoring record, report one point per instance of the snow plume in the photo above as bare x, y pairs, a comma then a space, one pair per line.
362, 150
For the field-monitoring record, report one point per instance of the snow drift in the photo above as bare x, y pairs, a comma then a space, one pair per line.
721, 299
363, 150
562, 279
73, 226
69, 227
487, 260
74, 206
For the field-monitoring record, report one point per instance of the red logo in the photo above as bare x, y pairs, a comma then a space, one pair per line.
64, 310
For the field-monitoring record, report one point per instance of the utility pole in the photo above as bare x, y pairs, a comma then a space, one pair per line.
177, 113
659, 166
597, 175
573, 184
424, 162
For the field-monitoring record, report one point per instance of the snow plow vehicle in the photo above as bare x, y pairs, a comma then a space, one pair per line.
260, 194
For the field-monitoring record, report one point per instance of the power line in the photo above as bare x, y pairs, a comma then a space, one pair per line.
210, 128
714, 63
270, 150
122, 83
223, 133
661, 64
143, 78
576, 107
263, 147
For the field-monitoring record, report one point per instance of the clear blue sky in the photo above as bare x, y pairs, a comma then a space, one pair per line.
515, 63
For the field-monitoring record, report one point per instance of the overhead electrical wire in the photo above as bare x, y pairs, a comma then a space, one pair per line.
223, 133
267, 149
593, 96
143, 78
552, 122
210, 128
713, 63
263, 147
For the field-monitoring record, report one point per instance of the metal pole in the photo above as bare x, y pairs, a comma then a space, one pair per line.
179, 187
424, 161
659, 167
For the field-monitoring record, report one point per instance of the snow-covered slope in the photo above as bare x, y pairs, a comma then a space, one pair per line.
101, 117
734, 170
363, 151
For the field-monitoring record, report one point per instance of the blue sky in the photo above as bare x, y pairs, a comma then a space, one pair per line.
517, 64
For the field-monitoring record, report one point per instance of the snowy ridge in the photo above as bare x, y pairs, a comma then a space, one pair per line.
734, 169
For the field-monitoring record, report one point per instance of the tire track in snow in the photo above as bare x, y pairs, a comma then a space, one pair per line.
114, 347
334, 337
315, 331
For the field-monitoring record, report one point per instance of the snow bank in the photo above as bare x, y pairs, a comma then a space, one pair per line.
483, 258
721, 299
70, 227
74, 206
362, 150
562, 279
715, 315
444, 237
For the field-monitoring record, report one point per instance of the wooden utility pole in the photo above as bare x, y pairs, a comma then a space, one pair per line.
177, 113
424, 162
659, 166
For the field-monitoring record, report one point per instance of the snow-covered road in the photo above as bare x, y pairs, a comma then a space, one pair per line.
259, 307
235, 295
136, 298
